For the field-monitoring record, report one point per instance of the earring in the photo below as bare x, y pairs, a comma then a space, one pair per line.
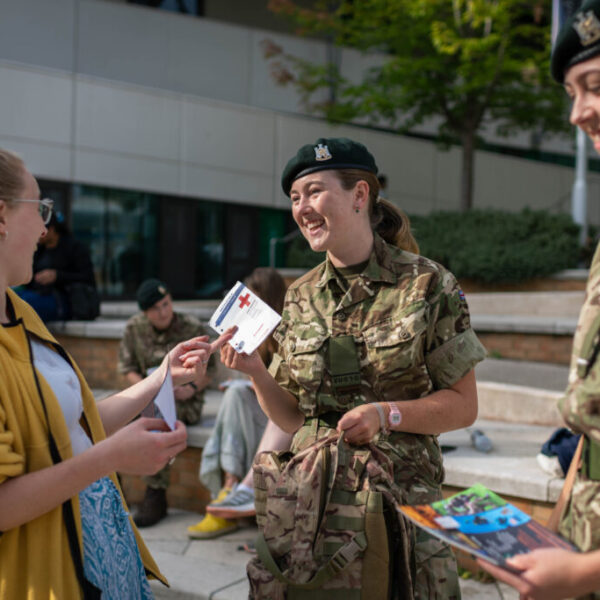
357, 210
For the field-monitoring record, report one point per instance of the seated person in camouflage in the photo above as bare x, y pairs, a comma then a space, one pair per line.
375, 342
148, 336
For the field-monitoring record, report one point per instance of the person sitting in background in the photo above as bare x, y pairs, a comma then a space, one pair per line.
63, 285
229, 452
148, 336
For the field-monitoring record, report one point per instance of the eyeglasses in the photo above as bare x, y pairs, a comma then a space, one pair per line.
45, 208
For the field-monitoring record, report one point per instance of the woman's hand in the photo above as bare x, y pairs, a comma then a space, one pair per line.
549, 573
250, 364
145, 446
189, 359
360, 424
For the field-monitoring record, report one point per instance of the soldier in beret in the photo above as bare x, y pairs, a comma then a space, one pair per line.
554, 574
375, 343
148, 336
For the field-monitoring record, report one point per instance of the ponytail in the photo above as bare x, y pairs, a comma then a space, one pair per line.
393, 225
388, 221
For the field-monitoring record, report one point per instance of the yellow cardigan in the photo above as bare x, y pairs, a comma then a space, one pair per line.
35, 561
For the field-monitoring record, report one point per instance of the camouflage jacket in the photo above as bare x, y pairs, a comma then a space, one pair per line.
410, 324
143, 347
580, 407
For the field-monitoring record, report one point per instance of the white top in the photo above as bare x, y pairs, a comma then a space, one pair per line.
64, 383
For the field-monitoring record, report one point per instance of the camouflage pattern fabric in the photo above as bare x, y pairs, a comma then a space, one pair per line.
143, 347
323, 502
579, 406
410, 322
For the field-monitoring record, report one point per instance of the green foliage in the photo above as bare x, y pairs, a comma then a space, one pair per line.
496, 246
468, 64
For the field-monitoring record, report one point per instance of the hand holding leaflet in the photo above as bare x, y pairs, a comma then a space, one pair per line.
164, 401
254, 319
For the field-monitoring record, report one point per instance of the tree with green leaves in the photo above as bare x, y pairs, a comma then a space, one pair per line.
469, 65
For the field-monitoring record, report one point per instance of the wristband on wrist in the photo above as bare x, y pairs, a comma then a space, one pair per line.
381, 413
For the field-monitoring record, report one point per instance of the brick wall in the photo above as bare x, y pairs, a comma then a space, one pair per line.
524, 346
185, 490
97, 358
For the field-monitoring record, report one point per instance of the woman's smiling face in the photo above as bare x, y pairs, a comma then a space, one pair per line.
582, 84
324, 211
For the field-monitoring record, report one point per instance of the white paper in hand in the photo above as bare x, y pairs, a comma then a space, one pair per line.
164, 401
254, 318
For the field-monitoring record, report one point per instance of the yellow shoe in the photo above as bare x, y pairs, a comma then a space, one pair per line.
223, 492
211, 527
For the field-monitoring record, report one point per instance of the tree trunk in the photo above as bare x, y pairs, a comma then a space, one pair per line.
467, 173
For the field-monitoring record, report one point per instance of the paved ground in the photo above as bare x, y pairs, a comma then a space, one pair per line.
215, 569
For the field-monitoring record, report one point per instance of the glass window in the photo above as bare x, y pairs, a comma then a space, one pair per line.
188, 7
210, 249
120, 228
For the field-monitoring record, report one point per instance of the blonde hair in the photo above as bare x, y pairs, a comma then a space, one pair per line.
12, 170
391, 223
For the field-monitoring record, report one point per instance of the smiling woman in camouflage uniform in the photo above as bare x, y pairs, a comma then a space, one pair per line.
375, 339
556, 574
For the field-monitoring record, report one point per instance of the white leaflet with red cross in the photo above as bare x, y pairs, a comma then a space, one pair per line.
254, 318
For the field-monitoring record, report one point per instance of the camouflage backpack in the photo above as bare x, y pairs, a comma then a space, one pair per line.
328, 525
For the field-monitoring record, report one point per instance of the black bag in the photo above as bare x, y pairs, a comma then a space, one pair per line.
83, 300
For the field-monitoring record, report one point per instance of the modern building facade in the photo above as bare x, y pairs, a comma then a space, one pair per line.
162, 136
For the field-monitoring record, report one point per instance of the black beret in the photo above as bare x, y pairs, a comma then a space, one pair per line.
578, 40
150, 292
327, 153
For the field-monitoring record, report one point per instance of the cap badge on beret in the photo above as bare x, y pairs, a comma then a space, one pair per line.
162, 289
322, 152
587, 27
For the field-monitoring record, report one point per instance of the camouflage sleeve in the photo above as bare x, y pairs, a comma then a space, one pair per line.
580, 406
127, 360
452, 348
278, 367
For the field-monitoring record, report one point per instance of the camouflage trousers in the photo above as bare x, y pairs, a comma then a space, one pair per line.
190, 412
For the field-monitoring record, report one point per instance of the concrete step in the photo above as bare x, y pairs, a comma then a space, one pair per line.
533, 304
520, 391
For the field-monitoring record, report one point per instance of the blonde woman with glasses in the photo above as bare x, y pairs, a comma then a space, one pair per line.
65, 529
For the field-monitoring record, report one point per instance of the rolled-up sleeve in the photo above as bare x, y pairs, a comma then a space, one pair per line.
453, 349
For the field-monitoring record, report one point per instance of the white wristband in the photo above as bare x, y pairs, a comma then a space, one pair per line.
381, 412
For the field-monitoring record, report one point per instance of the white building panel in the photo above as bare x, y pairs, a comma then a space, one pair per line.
124, 119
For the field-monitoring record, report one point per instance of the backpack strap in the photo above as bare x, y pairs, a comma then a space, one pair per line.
337, 563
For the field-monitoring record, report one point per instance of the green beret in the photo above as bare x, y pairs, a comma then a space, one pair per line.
150, 292
327, 153
578, 40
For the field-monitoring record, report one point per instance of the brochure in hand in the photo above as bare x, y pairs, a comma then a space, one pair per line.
254, 318
163, 406
480, 522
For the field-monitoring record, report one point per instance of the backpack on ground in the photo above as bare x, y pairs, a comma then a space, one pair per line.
328, 525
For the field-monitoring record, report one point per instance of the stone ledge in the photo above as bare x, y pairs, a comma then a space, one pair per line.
510, 468
518, 404
113, 328
524, 324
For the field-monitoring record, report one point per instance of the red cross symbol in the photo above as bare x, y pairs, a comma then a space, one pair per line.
244, 300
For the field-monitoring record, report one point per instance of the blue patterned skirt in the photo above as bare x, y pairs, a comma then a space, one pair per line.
112, 560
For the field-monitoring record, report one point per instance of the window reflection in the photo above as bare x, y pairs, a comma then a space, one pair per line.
120, 228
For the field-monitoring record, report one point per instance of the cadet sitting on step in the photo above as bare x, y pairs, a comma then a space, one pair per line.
148, 336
